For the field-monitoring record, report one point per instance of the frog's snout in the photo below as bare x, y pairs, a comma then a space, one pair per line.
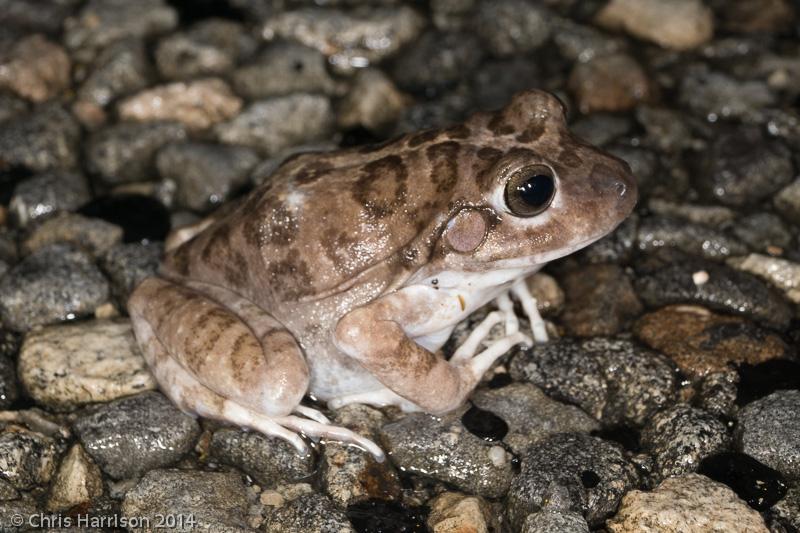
618, 184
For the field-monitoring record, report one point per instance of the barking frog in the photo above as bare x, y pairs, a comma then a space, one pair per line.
344, 273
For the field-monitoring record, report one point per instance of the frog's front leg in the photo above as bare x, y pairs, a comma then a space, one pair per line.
380, 336
219, 356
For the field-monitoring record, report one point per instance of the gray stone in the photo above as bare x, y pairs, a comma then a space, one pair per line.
121, 69
45, 194
577, 42
43, 139
36, 15
498, 80
742, 167
211, 46
769, 430
349, 39
9, 391
127, 265
644, 163
203, 501
27, 458
309, 513
763, 232
706, 215
92, 235
666, 128
125, 152
276, 124
269, 460
11, 106
437, 60
442, 448
25, 506
63, 367
205, 174
54, 284
531, 416
616, 247
725, 289
548, 521
615, 381
719, 96
682, 436
452, 14
602, 128
373, 102
787, 202
102, 22
717, 393
780, 273
571, 472
129, 436
284, 68
509, 27
784, 516
696, 239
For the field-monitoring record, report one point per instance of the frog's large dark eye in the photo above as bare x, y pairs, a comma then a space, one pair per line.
530, 190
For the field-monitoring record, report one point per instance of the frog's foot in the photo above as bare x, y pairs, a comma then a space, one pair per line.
313, 428
529, 305
377, 398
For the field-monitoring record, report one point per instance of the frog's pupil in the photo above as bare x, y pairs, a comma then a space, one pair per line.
536, 190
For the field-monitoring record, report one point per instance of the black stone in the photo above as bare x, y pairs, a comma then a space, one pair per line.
143, 218
758, 381
484, 424
500, 380
194, 10
9, 178
757, 484
381, 516
625, 436
589, 479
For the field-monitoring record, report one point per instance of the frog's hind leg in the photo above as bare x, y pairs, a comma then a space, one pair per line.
217, 355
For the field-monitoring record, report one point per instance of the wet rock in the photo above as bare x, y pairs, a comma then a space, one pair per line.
758, 381
616, 247
78, 481
687, 504
25, 506
763, 232
211, 46
609, 83
749, 16
676, 24
784, 516
644, 163
310, 513
549, 295
717, 393
757, 484
269, 460
717, 95
54, 284
600, 300
704, 215
27, 458
666, 129
45, 194
696, 239
583, 473
276, 124
549, 521
284, 68
437, 60
41, 15
11, 106
132, 435
35, 68
577, 42
142, 218
349, 474
42, 140
9, 392
498, 80
373, 102
63, 367
452, 14
509, 27
121, 69
602, 128
206, 174
718, 287
682, 436
198, 104
701, 342
126, 265
102, 22
452, 512
743, 168
783, 274
212, 501
92, 235
769, 430
531, 416
125, 152
443, 449
382, 515
787, 202
615, 381
349, 40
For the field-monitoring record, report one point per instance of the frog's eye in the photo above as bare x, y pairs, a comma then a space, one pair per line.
530, 190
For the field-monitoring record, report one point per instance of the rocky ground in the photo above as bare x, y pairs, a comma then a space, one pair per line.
670, 398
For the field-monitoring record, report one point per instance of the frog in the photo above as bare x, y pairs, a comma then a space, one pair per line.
343, 274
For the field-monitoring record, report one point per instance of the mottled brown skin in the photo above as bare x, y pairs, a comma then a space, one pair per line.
342, 251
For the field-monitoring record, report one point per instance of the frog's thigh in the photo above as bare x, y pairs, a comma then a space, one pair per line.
264, 371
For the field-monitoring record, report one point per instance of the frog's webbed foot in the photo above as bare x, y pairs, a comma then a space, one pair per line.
220, 357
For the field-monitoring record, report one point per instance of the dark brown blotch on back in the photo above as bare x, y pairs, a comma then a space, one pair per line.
531, 133
381, 186
291, 276
422, 137
217, 243
459, 132
443, 158
311, 172
498, 125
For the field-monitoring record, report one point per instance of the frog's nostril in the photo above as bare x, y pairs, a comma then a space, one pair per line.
620, 188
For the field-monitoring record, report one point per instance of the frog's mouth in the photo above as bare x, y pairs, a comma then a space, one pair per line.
537, 261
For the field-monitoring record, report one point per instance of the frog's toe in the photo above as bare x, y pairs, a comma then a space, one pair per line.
311, 413
531, 308
376, 398
337, 433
